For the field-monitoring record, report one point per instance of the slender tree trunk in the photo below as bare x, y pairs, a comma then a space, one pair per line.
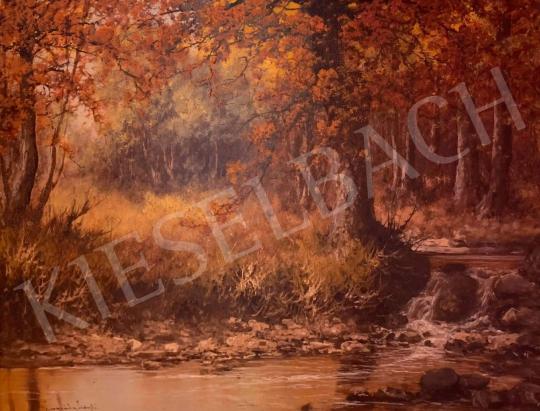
394, 132
466, 185
408, 184
497, 196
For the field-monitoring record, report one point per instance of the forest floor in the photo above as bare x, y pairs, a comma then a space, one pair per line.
435, 225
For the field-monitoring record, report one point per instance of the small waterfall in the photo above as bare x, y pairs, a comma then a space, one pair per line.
421, 307
420, 310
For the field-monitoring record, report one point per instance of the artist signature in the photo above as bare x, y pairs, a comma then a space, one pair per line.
77, 407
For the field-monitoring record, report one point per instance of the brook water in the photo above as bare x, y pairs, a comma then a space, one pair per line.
267, 385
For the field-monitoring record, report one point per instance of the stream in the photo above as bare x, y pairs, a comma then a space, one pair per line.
286, 384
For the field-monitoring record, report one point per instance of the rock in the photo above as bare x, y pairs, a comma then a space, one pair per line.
455, 297
394, 321
134, 345
439, 383
334, 330
258, 346
286, 347
159, 331
354, 346
487, 399
257, 326
388, 394
520, 318
151, 365
410, 336
290, 324
363, 338
298, 334
473, 382
531, 264
150, 354
223, 367
237, 325
171, 348
525, 394
320, 346
464, 343
238, 341
379, 332
502, 341
396, 395
529, 341
206, 345
307, 407
512, 285
456, 346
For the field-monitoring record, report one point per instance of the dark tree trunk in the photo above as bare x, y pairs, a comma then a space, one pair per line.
357, 220
24, 162
466, 184
497, 195
409, 185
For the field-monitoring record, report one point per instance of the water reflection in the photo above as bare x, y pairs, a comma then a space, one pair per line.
269, 385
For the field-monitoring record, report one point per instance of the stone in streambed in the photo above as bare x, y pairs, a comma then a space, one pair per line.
455, 298
388, 394
525, 394
473, 382
151, 365
355, 346
512, 285
464, 343
410, 336
485, 399
171, 348
521, 318
440, 383
531, 264
134, 345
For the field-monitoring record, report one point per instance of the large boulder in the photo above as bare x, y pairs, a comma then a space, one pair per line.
440, 383
455, 298
512, 285
531, 265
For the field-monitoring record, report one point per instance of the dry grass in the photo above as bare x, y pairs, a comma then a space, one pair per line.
519, 225
302, 274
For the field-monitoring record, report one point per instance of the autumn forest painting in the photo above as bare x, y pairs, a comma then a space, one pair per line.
269, 205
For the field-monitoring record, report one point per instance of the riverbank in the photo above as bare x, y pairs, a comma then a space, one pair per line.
216, 344
470, 340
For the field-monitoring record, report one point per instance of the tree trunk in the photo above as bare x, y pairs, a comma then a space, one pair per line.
466, 185
408, 184
358, 220
497, 196
394, 131
24, 162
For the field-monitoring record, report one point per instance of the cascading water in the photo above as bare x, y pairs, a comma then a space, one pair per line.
422, 313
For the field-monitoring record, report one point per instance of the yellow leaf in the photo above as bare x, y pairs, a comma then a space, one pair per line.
416, 30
